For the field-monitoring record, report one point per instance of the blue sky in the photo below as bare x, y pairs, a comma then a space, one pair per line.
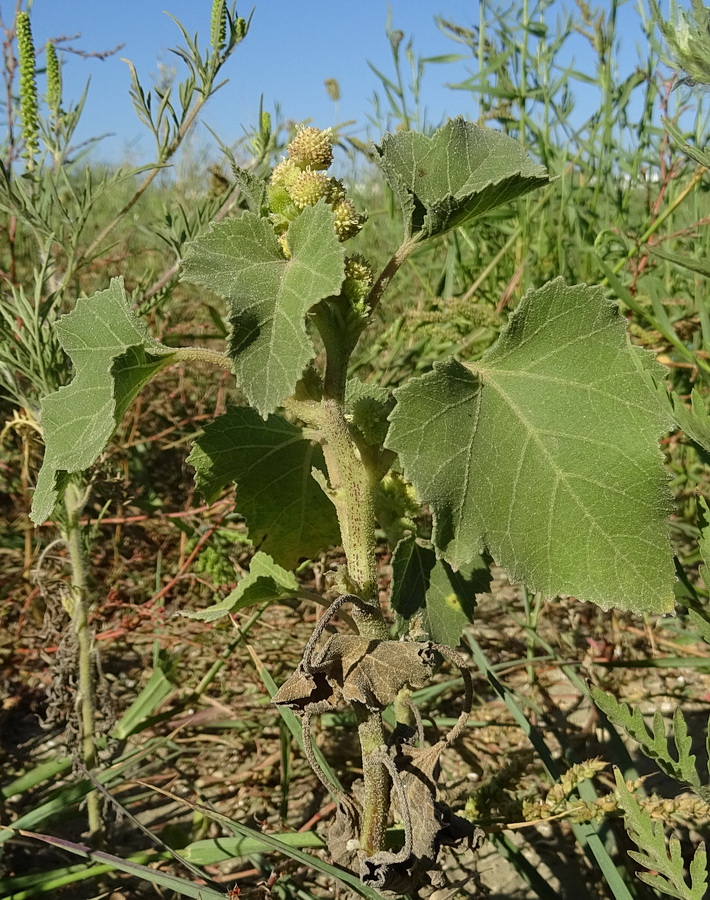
292, 47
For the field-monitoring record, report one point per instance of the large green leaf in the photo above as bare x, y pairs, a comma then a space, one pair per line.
265, 583
269, 295
546, 452
459, 173
288, 514
114, 356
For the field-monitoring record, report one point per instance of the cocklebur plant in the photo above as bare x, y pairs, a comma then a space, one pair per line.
542, 455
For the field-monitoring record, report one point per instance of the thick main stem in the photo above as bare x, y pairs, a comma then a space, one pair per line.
80, 620
354, 496
354, 486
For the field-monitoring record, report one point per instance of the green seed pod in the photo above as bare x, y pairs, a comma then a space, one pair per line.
240, 29
336, 191
54, 79
358, 280
218, 27
348, 222
28, 88
312, 148
285, 173
308, 188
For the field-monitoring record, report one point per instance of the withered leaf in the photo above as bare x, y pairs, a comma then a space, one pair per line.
433, 824
343, 837
373, 672
302, 689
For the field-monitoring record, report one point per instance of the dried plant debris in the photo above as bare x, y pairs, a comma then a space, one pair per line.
359, 670
369, 675
430, 824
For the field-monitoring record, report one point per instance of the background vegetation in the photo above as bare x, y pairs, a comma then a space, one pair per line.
184, 707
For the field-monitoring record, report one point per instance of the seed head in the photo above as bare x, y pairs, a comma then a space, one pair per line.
358, 279
309, 187
312, 148
336, 191
285, 173
218, 29
54, 79
348, 222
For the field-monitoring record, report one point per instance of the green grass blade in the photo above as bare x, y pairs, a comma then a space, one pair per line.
145, 873
21, 887
208, 852
586, 834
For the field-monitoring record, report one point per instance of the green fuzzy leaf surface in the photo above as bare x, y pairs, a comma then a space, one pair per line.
114, 356
546, 453
459, 173
269, 295
428, 595
265, 583
288, 514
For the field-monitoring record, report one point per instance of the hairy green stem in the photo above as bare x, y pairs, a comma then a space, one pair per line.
388, 273
354, 486
202, 354
354, 497
86, 699
376, 800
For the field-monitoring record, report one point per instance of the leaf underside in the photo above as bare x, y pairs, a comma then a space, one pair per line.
114, 357
546, 453
269, 295
288, 514
459, 173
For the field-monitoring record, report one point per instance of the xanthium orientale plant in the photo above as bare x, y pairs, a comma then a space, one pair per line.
542, 455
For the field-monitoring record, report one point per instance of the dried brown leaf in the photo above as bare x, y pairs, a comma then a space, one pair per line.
303, 689
373, 672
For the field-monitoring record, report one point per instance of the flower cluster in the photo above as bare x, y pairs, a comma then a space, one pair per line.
28, 87
54, 79
300, 181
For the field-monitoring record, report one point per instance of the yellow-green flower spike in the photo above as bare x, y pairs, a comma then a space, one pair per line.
28, 88
240, 29
312, 148
309, 187
218, 28
54, 79
348, 222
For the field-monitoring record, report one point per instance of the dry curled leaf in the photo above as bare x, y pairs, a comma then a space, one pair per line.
302, 689
358, 670
343, 837
432, 822
373, 672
